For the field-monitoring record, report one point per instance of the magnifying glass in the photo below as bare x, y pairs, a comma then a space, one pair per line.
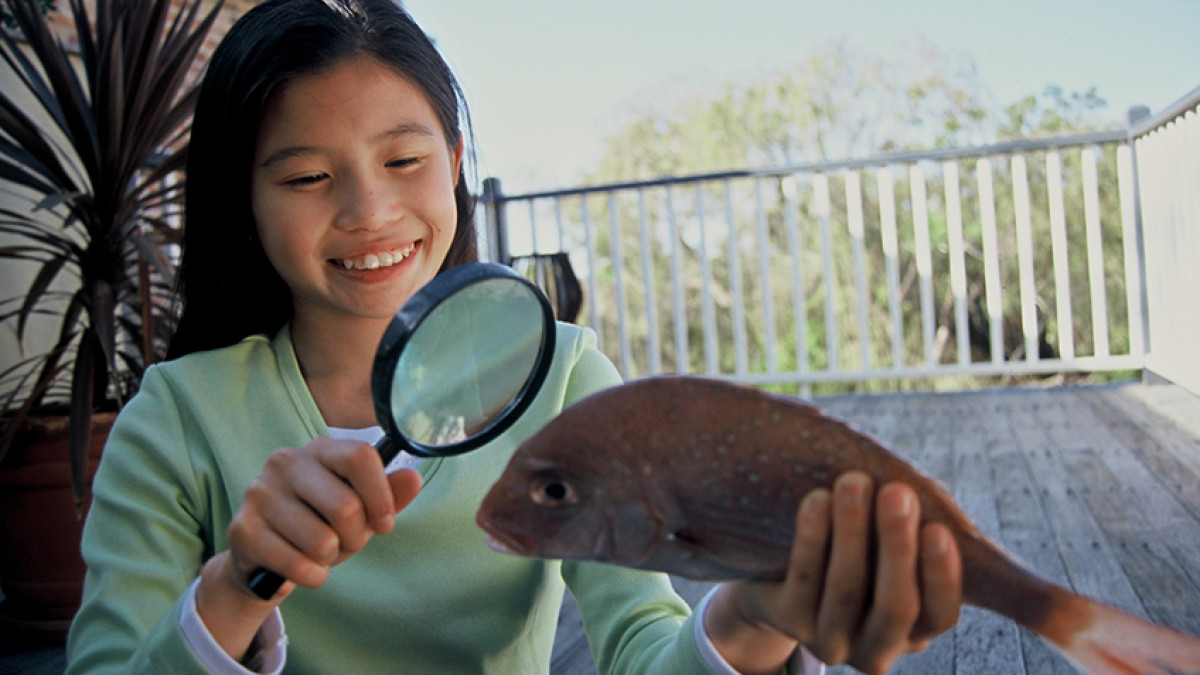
458, 364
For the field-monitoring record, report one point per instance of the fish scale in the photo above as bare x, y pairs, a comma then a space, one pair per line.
701, 478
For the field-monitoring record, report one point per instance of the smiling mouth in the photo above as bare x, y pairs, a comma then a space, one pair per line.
374, 261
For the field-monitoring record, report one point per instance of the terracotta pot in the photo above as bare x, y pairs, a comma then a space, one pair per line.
41, 570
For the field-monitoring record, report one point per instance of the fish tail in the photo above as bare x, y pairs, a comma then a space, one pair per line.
1106, 641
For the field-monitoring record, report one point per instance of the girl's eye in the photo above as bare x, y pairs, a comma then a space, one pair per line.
305, 181
404, 162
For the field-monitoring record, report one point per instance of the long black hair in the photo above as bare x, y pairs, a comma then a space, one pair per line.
227, 288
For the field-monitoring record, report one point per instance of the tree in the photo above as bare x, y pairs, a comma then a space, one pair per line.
833, 105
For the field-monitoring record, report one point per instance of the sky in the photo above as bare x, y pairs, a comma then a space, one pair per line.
548, 80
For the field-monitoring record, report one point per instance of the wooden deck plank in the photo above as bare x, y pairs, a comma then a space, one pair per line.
1091, 564
571, 654
929, 437
1025, 530
1167, 450
988, 643
1160, 547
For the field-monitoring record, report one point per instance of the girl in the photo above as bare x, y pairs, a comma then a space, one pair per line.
325, 186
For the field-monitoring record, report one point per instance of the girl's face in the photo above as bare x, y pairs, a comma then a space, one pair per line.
353, 191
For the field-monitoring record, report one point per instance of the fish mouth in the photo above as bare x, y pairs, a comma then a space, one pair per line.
508, 545
505, 542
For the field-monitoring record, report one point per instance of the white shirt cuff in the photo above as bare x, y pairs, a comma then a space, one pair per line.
271, 641
800, 663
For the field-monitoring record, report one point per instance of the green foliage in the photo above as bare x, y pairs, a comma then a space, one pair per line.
1053, 113
834, 105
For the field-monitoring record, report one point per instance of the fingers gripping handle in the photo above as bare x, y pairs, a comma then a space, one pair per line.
263, 582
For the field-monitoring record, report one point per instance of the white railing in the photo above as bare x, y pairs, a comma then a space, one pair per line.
1168, 169
1023, 257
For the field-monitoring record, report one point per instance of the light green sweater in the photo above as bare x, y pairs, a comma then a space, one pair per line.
429, 597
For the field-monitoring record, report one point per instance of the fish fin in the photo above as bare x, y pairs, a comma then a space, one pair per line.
1117, 643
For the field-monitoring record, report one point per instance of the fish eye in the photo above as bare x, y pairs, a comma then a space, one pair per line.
553, 492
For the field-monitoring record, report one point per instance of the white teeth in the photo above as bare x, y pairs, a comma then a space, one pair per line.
374, 261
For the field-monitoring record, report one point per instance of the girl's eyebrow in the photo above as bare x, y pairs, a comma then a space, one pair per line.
398, 131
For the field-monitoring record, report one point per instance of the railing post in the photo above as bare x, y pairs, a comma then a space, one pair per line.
493, 204
1134, 115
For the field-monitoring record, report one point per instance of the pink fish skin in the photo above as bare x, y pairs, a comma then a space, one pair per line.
702, 478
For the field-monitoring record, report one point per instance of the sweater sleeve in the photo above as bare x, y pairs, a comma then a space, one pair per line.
635, 622
143, 544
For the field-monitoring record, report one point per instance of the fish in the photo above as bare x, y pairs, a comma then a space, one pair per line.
701, 478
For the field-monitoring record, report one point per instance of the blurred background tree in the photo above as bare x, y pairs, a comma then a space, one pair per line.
837, 104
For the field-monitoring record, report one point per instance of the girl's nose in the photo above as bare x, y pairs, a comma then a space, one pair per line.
367, 203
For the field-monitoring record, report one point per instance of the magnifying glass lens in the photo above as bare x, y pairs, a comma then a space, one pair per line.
467, 362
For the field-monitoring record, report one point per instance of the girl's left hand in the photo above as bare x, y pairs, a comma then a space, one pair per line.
855, 593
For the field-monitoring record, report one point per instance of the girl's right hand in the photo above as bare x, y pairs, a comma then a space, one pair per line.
309, 509
313, 507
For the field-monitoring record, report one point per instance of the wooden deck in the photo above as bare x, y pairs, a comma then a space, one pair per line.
1096, 488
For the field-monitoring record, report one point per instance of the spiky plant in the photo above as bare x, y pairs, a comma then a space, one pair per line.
89, 201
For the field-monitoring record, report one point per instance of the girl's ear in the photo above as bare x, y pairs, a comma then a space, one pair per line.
458, 154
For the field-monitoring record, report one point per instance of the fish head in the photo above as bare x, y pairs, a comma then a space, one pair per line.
543, 510
568, 493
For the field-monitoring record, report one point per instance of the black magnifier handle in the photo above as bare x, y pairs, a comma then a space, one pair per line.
264, 583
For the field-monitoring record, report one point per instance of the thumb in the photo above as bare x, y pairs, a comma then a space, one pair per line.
405, 484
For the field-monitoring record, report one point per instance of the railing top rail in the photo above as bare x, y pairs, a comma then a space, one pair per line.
1187, 102
905, 157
